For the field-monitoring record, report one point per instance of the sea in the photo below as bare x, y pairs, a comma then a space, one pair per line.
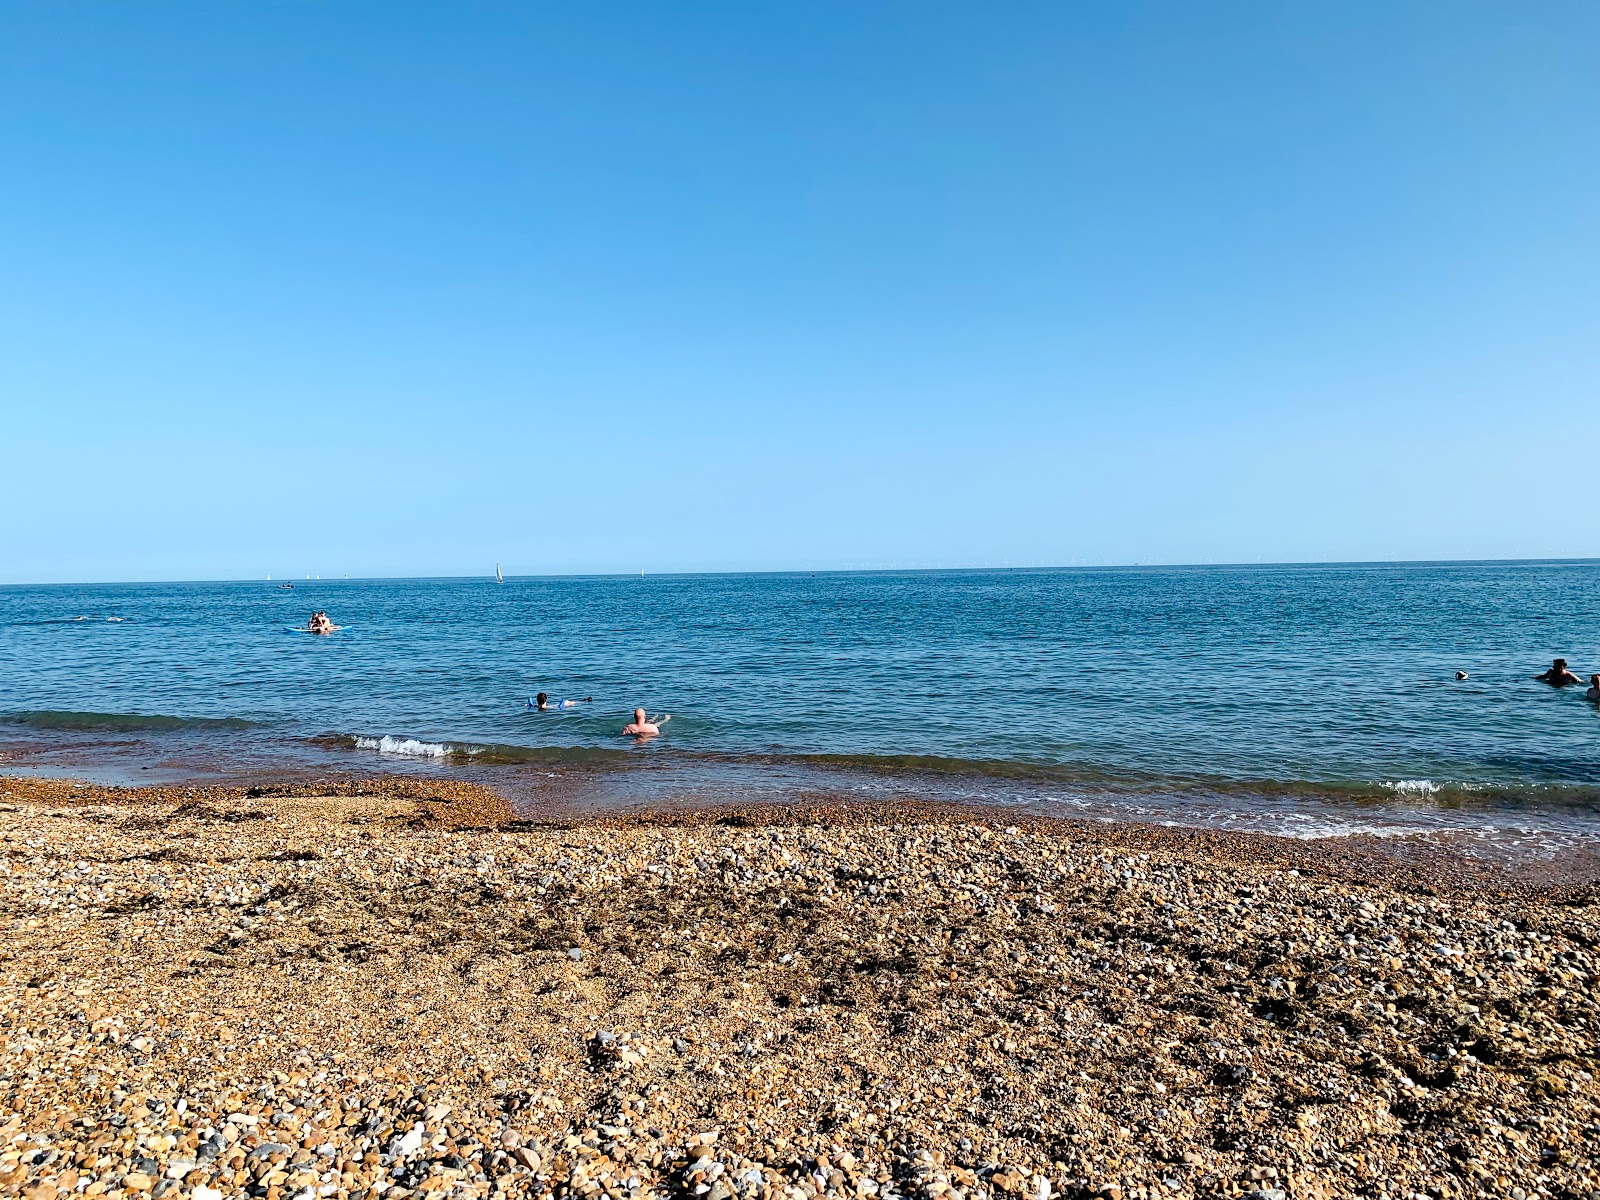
1313, 701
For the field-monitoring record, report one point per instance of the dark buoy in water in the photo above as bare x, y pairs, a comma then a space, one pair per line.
1461, 675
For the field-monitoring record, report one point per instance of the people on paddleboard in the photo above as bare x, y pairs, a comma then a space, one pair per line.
643, 727
320, 623
543, 703
1558, 675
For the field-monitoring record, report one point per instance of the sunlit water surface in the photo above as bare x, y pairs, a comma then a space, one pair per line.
1301, 700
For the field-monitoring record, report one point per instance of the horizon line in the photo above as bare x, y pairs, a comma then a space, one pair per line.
1127, 566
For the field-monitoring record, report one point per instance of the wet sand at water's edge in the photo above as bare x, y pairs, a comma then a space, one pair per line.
396, 988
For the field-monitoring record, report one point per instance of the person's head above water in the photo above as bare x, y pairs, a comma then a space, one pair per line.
1560, 664
642, 726
541, 698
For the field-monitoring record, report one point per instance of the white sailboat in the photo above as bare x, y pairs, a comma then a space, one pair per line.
498, 578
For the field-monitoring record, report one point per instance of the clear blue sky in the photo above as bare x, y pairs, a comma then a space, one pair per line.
412, 289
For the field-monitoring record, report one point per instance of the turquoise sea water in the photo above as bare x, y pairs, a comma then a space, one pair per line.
1272, 695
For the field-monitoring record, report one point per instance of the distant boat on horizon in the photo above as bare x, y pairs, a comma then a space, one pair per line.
286, 587
498, 578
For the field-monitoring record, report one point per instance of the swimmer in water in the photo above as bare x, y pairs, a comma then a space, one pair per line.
541, 703
642, 728
1594, 689
1558, 675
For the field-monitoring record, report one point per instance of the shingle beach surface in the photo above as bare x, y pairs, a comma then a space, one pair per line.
395, 989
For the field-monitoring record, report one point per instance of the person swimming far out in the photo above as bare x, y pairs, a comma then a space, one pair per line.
541, 703
643, 727
1594, 689
1558, 675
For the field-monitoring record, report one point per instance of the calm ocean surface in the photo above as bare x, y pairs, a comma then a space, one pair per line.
1303, 699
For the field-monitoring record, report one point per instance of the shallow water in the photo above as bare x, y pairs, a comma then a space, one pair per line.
1313, 697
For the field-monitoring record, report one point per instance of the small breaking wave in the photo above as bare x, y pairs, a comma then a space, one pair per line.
118, 722
492, 753
1412, 787
410, 747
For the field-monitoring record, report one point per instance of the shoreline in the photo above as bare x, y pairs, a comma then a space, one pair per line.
451, 801
1540, 832
864, 1001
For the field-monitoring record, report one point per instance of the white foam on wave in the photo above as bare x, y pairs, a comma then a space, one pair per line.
1412, 787
1328, 826
408, 746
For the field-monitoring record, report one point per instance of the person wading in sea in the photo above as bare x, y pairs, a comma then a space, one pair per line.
640, 728
1558, 675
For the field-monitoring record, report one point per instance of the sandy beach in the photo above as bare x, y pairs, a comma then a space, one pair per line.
397, 988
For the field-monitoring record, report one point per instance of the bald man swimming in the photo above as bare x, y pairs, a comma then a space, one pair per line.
640, 727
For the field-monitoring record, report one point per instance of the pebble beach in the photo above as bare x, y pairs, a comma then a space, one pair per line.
398, 988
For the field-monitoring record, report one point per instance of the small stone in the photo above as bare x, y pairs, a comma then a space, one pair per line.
575, 954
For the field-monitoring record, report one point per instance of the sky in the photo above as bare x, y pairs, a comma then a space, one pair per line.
405, 289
